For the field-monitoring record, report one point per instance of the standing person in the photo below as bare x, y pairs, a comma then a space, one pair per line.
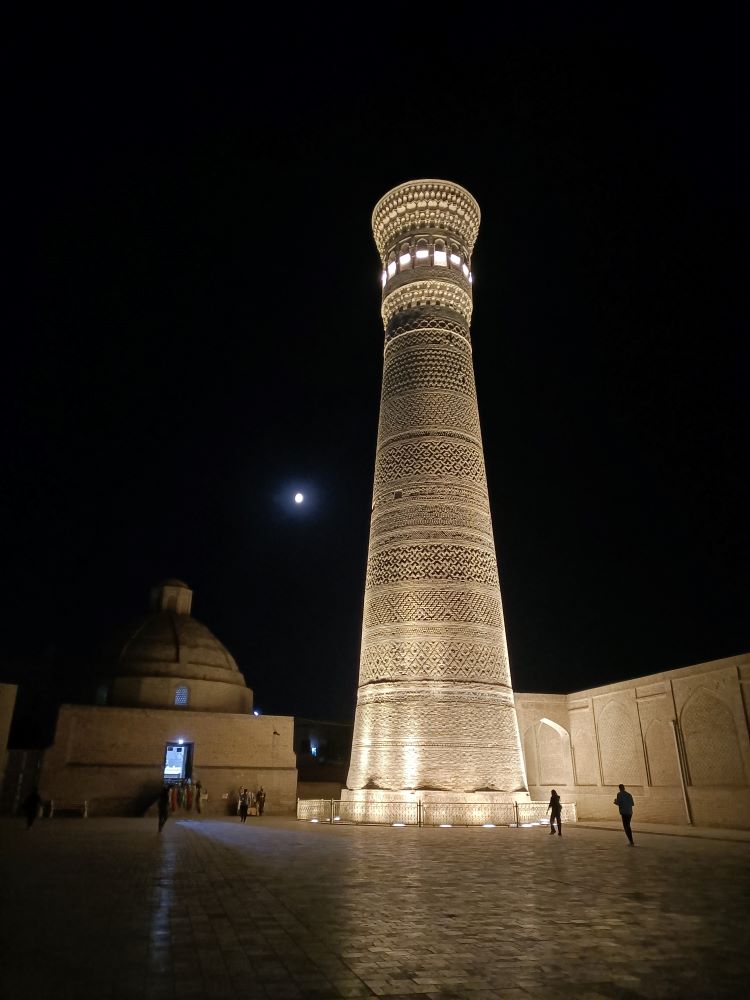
260, 798
163, 806
243, 806
198, 791
31, 807
624, 803
555, 810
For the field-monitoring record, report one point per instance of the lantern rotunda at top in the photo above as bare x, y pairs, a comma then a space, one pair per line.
425, 205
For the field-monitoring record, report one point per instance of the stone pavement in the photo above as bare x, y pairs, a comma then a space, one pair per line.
683, 830
108, 908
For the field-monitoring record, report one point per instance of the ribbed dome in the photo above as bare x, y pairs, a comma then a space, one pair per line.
168, 659
167, 644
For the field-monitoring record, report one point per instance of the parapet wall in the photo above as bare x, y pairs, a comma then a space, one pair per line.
113, 758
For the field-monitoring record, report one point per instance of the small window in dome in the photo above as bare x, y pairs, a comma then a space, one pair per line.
391, 268
181, 695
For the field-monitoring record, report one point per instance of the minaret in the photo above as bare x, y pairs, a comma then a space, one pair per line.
435, 713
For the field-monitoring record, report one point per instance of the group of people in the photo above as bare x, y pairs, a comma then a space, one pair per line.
623, 801
247, 801
187, 795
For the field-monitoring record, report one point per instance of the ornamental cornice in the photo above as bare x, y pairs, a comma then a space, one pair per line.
426, 204
433, 292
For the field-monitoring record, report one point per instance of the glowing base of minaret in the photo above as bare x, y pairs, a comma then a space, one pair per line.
431, 795
430, 807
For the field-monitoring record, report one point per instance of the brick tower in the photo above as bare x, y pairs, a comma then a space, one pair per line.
435, 713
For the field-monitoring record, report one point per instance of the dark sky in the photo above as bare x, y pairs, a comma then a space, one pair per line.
192, 329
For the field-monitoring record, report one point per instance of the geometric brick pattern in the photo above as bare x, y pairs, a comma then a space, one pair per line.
432, 562
432, 322
412, 411
430, 458
439, 660
435, 605
429, 369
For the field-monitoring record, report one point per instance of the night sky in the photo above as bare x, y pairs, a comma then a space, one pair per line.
192, 331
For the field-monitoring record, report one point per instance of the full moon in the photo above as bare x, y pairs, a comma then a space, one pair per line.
298, 498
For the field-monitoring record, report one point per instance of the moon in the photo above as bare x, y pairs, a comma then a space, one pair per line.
298, 498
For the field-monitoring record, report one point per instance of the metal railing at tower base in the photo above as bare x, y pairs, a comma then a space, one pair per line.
435, 814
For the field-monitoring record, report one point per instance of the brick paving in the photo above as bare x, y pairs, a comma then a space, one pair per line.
276, 909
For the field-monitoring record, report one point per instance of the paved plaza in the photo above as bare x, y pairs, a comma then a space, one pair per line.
108, 908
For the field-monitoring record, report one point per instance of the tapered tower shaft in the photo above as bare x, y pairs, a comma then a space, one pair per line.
435, 704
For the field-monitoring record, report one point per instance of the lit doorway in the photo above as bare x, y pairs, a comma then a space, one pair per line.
178, 761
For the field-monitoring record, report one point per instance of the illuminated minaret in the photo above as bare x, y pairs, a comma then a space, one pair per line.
435, 712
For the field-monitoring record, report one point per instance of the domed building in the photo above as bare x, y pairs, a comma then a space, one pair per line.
172, 706
167, 659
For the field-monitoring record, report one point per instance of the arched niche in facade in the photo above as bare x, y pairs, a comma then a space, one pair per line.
553, 749
546, 748
710, 737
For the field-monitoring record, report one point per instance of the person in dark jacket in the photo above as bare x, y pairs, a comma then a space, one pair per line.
31, 805
624, 802
163, 806
555, 810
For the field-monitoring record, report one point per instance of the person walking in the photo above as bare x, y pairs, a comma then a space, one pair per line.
163, 806
260, 798
31, 805
555, 810
624, 802
243, 806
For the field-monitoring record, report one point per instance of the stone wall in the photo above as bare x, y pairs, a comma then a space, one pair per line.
113, 758
678, 740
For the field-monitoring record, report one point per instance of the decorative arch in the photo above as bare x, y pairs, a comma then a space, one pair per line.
553, 747
620, 750
710, 737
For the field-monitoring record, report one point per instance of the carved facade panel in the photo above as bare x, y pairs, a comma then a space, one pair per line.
620, 746
711, 743
661, 753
